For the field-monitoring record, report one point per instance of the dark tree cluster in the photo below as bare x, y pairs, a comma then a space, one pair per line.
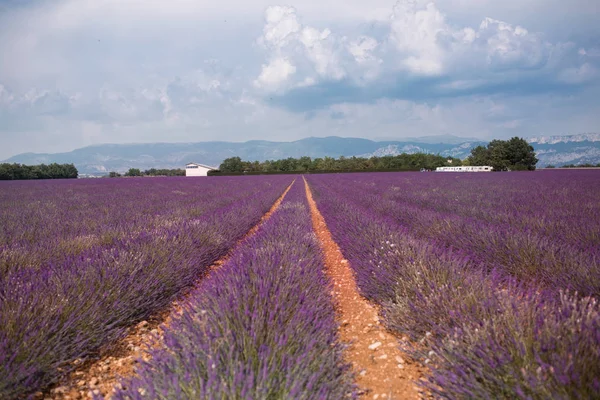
149, 172
164, 172
402, 162
585, 165
43, 171
514, 154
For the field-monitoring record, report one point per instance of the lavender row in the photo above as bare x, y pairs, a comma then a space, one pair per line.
58, 312
45, 221
525, 254
261, 327
481, 334
561, 205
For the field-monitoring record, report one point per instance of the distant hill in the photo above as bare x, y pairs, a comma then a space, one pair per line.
446, 139
100, 159
574, 149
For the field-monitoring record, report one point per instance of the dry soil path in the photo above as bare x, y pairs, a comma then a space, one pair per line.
383, 371
100, 376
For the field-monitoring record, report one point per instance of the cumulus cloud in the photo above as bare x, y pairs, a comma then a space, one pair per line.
319, 47
281, 27
415, 32
429, 45
418, 39
512, 47
418, 53
362, 49
275, 73
291, 43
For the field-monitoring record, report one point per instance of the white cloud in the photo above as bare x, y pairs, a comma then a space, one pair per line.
308, 81
362, 49
420, 41
285, 37
281, 26
319, 47
6, 97
428, 45
415, 32
509, 47
275, 73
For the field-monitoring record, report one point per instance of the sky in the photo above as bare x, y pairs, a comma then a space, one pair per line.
80, 72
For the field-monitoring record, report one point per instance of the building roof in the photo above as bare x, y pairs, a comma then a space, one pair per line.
201, 165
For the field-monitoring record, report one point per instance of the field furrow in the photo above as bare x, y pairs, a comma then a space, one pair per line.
261, 327
482, 333
381, 368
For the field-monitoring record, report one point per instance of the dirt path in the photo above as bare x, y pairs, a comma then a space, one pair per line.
99, 376
383, 371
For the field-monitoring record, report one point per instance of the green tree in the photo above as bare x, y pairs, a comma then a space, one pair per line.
6, 172
42, 171
521, 155
70, 171
304, 163
502, 155
232, 164
480, 155
499, 155
133, 172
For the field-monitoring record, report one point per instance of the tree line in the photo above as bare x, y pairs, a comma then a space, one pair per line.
402, 162
43, 171
585, 165
149, 172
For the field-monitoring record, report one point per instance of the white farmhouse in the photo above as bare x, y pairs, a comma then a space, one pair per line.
195, 169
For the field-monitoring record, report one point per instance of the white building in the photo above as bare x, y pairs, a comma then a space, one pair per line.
483, 168
195, 169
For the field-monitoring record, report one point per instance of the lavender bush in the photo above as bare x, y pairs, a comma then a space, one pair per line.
261, 327
61, 306
482, 333
534, 349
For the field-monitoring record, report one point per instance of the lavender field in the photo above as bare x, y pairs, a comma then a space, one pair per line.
491, 280
494, 277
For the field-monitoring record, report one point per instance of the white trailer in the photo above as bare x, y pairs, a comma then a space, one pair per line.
474, 168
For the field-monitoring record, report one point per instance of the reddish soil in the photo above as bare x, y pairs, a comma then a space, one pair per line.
382, 370
101, 375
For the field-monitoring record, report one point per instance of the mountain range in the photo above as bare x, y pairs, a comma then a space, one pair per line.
102, 158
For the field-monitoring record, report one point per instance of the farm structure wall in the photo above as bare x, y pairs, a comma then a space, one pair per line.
195, 169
